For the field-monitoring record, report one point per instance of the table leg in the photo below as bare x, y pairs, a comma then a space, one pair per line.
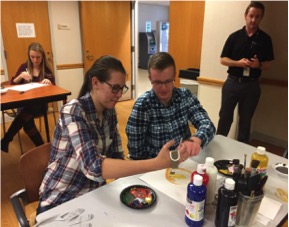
46, 127
46, 123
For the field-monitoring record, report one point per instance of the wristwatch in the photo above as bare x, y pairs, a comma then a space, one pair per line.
175, 157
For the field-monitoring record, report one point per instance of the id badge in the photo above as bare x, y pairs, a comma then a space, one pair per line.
246, 71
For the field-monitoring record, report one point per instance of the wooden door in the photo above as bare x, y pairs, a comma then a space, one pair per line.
15, 48
186, 33
106, 30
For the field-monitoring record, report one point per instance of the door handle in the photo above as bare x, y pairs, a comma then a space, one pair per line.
89, 56
49, 56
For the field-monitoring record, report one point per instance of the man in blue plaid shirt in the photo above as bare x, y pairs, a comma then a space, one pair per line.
163, 114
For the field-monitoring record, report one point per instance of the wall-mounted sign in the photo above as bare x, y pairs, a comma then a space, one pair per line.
148, 26
163, 35
25, 30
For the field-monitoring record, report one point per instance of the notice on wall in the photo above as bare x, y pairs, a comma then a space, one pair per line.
148, 26
25, 30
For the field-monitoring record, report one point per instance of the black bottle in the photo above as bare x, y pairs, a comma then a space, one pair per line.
227, 205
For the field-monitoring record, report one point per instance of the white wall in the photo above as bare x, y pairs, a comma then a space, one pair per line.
221, 19
66, 44
270, 122
3, 62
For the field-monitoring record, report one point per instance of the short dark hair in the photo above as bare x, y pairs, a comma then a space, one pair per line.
161, 61
257, 5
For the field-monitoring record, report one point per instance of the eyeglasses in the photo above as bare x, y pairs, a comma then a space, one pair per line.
160, 83
115, 88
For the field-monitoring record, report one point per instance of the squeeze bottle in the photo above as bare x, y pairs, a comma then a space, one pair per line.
227, 205
212, 171
260, 155
195, 206
201, 170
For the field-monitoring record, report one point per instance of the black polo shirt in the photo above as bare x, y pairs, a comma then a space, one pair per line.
239, 45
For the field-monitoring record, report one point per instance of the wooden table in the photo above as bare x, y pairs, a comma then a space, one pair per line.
49, 93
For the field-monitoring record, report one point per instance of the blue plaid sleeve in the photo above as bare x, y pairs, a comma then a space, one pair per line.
115, 149
205, 129
136, 131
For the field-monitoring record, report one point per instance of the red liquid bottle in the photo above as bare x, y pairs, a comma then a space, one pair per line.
201, 170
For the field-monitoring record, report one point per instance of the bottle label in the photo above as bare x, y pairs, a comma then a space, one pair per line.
195, 210
262, 171
232, 216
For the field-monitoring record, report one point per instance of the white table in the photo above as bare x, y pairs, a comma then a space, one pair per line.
105, 205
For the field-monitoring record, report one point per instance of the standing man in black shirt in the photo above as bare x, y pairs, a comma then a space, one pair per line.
246, 52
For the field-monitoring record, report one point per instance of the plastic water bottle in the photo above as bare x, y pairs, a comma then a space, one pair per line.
201, 170
196, 199
227, 205
212, 171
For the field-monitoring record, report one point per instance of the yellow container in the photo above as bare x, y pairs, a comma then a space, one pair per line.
261, 156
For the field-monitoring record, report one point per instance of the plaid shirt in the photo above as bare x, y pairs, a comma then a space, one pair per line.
151, 124
78, 147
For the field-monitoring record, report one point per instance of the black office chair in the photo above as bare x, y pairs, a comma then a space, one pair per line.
32, 167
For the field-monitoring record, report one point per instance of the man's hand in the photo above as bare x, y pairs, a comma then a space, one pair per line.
192, 146
254, 62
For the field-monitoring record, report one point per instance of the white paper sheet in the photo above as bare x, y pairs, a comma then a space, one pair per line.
177, 190
263, 220
26, 87
274, 207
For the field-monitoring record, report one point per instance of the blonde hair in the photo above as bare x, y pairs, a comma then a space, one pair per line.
44, 64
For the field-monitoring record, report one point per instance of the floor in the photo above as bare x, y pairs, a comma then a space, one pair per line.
144, 81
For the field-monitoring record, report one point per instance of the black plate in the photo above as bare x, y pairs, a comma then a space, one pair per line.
138, 196
223, 167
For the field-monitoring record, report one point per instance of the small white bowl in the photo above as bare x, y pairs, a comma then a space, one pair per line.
3, 90
281, 169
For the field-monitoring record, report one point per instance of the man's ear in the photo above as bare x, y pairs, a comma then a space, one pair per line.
150, 77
